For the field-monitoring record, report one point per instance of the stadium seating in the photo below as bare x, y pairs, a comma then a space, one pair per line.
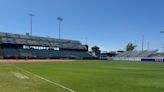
36, 40
137, 53
10, 53
134, 55
25, 46
25, 53
2, 34
20, 41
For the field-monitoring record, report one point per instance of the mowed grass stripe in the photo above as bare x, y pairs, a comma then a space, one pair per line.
11, 83
103, 76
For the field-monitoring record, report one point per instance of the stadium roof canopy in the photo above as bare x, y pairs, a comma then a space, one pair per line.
39, 41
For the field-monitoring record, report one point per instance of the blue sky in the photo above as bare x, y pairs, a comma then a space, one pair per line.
110, 24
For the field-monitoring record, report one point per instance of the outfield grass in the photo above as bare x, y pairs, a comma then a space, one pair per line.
85, 76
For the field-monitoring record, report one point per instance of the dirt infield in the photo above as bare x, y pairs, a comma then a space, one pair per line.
33, 60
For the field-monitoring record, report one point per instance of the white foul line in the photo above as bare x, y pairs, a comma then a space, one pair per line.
40, 77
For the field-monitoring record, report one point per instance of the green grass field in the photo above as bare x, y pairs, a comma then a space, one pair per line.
83, 76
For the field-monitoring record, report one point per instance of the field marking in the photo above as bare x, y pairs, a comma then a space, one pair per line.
20, 75
40, 77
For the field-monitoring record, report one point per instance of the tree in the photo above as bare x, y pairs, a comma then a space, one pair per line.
130, 47
96, 51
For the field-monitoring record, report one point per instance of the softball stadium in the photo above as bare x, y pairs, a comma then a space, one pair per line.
41, 64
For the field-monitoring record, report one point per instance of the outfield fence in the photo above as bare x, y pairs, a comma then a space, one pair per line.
148, 59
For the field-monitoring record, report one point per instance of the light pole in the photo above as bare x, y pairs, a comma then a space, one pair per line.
135, 44
148, 45
31, 15
142, 42
60, 20
162, 33
163, 49
86, 40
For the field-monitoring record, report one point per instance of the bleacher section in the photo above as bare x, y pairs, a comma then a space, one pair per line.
41, 54
158, 55
10, 53
39, 41
137, 53
134, 55
24, 46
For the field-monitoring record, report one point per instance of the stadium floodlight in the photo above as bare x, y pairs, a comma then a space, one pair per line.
148, 45
60, 20
161, 31
31, 15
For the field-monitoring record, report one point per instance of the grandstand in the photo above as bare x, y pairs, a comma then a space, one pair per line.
135, 55
35, 47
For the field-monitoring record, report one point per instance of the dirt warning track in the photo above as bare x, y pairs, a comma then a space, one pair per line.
33, 60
